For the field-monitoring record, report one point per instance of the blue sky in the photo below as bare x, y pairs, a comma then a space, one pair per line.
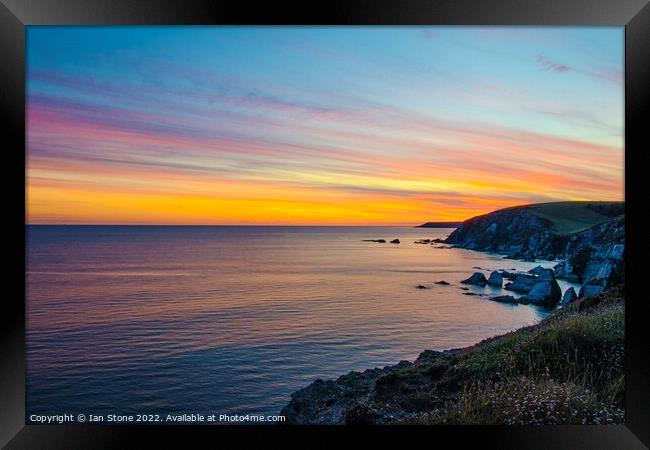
359, 124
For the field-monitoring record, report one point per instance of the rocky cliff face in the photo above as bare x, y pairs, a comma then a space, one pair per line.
595, 256
515, 232
346, 399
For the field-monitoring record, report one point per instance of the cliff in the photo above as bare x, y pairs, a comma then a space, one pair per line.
587, 237
595, 256
569, 368
533, 231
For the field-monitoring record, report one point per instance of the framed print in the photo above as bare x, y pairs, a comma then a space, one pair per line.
387, 219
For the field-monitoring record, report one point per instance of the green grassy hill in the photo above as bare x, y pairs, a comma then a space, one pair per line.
567, 369
572, 217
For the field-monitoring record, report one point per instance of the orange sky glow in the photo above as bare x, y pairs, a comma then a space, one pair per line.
322, 127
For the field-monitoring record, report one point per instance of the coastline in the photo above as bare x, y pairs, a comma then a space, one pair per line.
562, 371
475, 384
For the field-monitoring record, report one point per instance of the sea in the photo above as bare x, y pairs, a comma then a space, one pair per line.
160, 320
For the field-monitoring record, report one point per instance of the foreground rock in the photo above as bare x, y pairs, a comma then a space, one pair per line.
544, 292
477, 279
522, 283
496, 279
504, 299
590, 290
395, 241
508, 275
569, 296
442, 282
542, 273
382, 241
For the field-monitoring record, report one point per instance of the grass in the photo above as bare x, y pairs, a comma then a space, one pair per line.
572, 217
525, 401
567, 369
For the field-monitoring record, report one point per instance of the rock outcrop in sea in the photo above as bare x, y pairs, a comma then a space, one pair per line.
522, 283
496, 279
543, 292
476, 278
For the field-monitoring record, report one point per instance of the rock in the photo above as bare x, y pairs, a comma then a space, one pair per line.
465, 289
616, 252
442, 282
419, 286
569, 296
522, 283
590, 290
542, 273
470, 293
517, 232
595, 255
427, 356
544, 292
564, 271
508, 275
359, 414
306, 405
477, 278
504, 299
375, 240
395, 241
430, 241
495, 279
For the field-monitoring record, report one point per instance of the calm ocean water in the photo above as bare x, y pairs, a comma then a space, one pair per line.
234, 319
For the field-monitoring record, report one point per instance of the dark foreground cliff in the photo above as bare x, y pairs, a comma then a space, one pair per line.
566, 369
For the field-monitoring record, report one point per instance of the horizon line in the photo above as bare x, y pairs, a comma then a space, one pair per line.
225, 225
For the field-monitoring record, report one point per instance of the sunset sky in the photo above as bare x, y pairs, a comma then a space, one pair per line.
315, 125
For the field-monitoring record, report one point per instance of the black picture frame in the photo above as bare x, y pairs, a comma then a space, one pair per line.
15, 15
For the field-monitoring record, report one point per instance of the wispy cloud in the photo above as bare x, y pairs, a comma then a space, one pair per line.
551, 66
330, 130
